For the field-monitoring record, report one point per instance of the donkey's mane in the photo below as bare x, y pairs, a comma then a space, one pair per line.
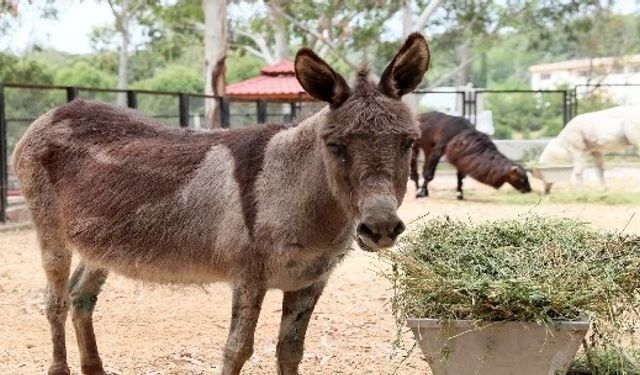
474, 154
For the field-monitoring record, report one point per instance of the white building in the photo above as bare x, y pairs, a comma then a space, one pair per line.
603, 70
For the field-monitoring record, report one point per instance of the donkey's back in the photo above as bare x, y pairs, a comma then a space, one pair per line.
437, 127
606, 130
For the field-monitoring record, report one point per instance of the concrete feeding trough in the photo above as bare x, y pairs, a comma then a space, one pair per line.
551, 174
498, 348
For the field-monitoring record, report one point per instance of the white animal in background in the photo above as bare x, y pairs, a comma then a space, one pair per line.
594, 133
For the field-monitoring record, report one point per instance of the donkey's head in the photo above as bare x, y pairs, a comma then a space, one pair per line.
367, 137
517, 177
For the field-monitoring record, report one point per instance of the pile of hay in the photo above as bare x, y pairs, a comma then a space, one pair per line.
532, 269
535, 268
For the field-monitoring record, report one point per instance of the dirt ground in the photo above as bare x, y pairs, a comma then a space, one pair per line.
150, 329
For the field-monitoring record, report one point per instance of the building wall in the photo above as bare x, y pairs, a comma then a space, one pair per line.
572, 73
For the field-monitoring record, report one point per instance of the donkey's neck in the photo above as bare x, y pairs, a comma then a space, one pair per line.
299, 191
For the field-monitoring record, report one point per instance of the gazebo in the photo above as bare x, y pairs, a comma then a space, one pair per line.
276, 83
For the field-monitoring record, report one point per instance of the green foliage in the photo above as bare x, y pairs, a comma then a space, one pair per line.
14, 70
24, 105
173, 27
241, 67
594, 101
525, 115
83, 74
175, 78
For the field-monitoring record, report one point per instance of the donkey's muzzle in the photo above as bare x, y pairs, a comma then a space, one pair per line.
379, 232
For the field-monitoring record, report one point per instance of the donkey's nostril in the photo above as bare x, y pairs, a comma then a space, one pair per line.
364, 230
397, 230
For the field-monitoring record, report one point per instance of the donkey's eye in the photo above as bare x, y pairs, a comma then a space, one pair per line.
338, 150
407, 145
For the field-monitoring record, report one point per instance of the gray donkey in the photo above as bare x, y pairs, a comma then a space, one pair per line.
261, 207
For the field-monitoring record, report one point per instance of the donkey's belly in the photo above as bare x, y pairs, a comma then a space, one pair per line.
160, 265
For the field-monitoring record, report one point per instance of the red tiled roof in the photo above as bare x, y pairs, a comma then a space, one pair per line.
266, 85
282, 67
275, 81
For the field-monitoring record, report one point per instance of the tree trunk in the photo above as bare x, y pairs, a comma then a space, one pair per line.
123, 59
281, 48
407, 18
463, 55
215, 53
411, 100
280, 30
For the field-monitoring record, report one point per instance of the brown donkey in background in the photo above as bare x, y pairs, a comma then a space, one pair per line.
470, 151
261, 207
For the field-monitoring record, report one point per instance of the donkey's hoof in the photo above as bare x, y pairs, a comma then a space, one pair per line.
288, 369
62, 369
93, 369
460, 197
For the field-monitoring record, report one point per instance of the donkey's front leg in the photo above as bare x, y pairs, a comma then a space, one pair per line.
461, 177
297, 307
245, 310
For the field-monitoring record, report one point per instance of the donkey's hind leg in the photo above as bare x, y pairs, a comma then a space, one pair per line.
579, 163
598, 159
460, 194
430, 165
56, 261
297, 307
414, 166
85, 287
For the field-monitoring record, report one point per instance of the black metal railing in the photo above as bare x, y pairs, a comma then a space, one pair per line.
20, 104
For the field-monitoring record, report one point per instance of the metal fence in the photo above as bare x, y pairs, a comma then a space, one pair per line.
516, 114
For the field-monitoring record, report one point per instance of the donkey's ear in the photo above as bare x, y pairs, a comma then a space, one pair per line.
319, 80
407, 68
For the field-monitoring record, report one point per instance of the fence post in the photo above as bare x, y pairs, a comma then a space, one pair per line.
464, 103
224, 112
261, 106
474, 104
565, 104
575, 101
72, 93
132, 99
4, 175
183, 104
293, 110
